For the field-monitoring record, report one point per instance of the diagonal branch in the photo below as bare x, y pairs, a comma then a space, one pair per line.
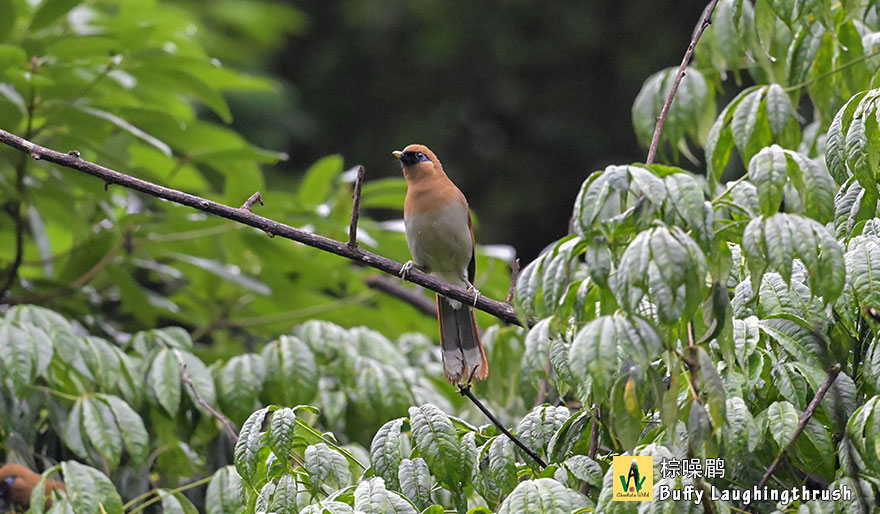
661, 119
466, 391
805, 417
498, 309
355, 208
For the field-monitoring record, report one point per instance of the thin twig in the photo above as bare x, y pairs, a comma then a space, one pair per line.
355, 208
730, 187
77, 284
594, 434
14, 208
253, 200
828, 73
661, 119
514, 274
498, 309
393, 287
466, 391
805, 417
184, 376
161, 493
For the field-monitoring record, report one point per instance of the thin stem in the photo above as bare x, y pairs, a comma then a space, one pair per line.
730, 187
355, 208
159, 492
55, 393
828, 73
15, 207
184, 376
466, 391
661, 119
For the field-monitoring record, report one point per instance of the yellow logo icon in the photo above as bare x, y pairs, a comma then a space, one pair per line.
633, 479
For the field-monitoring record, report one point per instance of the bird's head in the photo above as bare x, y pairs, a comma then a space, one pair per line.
417, 160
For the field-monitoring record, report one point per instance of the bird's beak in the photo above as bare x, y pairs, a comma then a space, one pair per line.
397, 153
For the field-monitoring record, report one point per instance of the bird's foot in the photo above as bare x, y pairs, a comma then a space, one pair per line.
477, 293
406, 268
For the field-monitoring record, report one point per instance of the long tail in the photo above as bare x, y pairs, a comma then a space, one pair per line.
464, 358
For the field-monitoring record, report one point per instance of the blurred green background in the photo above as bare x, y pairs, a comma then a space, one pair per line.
520, 100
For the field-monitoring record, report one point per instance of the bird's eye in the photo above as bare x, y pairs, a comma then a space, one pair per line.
422, 157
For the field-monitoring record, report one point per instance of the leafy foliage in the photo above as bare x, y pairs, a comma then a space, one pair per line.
687, 315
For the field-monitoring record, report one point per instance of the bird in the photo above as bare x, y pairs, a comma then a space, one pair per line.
17, 482
441, 241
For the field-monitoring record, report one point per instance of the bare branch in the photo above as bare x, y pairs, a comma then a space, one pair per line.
248, 205
466, 391
184, 376
661, 119
805, 417
355, 208
498, 309
514, 274
411, 296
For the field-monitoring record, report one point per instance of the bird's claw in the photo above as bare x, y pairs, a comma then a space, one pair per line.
477, 294
406, 268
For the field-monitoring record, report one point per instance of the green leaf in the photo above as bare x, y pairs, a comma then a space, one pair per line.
81, 487
434, 437
858, 154
240, 383
541, 496
223, 496
415, 481
164, 382
128, 127
326, 466
318, 180
745, 120
227, 272
863, 267
284, 498
779, 109
176, 503
16, 356
371, 497
291, 371
281, 432
768, 171
49, 11
247, 448
538, 426
200, 377
385, 452
835, 147
131, 427
100, 427
783, 421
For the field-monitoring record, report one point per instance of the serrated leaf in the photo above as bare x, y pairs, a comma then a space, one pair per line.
768, 171
134, 433
541, 496
415, 481
371, 497
434, 437
248, 446
326, 465
385, 452
291, 371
